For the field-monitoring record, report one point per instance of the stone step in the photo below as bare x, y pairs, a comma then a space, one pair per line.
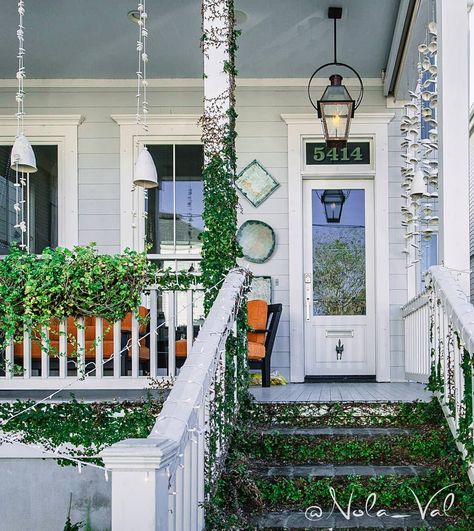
298, 520
315, 471
336, 432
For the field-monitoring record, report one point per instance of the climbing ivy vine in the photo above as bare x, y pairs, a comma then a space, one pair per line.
220, 248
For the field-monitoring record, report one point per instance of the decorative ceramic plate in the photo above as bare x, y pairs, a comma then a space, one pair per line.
255, 183
257, 240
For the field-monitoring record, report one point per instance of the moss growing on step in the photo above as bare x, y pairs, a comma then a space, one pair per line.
347, 414
424, 448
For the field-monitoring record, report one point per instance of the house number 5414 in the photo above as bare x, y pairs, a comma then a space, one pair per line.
335, 154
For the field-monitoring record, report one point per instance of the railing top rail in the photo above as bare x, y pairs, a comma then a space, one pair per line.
178, 416
455, 302
415, 304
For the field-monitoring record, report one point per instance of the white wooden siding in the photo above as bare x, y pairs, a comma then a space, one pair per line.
262, 136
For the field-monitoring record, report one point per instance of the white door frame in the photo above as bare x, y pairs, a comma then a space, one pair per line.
372, 126
338, 322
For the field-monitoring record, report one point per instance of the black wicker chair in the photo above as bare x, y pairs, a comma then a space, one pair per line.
273, 319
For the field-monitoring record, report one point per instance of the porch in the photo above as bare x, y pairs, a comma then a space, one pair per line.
343, 392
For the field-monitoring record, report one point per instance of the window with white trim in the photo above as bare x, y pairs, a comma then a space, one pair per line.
41, 201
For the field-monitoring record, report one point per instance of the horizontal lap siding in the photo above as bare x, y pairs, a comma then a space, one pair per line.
262, 135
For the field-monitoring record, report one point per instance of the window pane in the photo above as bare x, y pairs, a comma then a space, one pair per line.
43, 200
339, 253
175, 208
159, 225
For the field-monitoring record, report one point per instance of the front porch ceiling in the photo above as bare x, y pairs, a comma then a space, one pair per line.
280, 38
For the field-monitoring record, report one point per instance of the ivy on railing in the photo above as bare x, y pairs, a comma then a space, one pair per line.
445, 340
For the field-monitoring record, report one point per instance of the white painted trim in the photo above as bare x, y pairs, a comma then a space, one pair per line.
49, 120
62, 131
374, 126
180, 82
163, 129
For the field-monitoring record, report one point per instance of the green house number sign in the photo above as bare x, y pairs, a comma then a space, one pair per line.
317, 153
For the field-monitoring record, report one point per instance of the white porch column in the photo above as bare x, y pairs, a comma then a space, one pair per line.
217, 33
453, 127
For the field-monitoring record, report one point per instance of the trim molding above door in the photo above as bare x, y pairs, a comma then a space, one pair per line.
372, 126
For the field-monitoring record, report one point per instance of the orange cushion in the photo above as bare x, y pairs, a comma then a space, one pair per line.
256, 351
181, 348
257, 319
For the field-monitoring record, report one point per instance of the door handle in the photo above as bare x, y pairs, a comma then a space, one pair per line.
307, 286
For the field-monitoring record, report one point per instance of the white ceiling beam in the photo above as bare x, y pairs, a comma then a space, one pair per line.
401, 36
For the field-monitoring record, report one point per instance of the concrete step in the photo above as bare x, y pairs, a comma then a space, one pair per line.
298, 520
336, 432
315, 471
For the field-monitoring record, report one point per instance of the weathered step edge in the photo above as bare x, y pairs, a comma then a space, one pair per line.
298, 520
310, 471
337, 432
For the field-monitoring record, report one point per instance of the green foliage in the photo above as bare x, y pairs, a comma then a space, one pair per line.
62, 283
423, 447
242, 492
339, 276
347, 414
88, 427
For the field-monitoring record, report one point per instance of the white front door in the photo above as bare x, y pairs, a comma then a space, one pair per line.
339, 278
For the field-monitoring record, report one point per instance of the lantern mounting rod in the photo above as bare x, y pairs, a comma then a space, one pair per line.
335, 13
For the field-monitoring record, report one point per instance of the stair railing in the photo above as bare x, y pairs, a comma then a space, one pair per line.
439, 348
158, 483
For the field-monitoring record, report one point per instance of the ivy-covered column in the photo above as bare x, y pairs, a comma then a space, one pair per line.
220, 248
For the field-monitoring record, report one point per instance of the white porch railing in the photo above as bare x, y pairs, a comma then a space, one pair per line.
417, 338
90, 353
158, 483
439, 341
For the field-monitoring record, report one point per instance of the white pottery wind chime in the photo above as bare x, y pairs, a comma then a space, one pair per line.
145, 174
23, 160
419, 127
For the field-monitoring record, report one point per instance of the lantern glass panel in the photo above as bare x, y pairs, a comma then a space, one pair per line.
336, 119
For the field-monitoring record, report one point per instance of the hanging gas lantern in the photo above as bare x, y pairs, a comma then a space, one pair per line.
336, 107
333, 201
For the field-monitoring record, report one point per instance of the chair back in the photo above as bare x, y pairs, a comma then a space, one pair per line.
274, 314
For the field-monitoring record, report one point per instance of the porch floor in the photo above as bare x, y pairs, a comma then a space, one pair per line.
343, 392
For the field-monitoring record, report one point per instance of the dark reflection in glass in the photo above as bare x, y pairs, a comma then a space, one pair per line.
339, 270
174, 220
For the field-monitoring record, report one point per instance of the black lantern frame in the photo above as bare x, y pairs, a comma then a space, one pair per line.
333, 201
335, 13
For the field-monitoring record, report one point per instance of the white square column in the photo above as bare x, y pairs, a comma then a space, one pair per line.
453, 128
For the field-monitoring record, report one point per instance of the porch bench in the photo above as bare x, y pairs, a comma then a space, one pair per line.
107, 341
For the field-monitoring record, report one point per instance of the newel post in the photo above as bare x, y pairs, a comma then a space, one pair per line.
140, 483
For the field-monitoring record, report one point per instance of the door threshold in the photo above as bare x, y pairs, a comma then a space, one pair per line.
341, 379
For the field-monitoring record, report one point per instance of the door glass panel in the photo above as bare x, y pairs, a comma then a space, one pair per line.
338, 245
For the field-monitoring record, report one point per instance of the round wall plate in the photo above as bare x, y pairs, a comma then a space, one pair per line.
257, 240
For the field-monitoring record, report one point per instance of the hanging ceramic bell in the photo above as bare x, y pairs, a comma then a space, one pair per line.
418, 186
23, 157
145, 171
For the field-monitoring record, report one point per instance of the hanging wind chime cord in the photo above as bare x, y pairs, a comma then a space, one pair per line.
20, 182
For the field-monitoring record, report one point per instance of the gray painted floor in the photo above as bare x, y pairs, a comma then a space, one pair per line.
343, 392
